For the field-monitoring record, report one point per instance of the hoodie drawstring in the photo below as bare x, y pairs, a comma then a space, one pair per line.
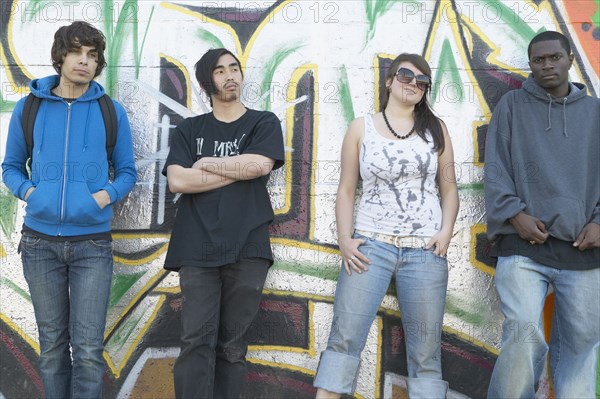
564, 115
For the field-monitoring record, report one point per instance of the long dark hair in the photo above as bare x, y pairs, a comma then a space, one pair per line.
206, 65
424, 116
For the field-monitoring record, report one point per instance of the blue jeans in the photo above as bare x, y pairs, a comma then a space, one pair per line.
421, 281
69, 283
522, 285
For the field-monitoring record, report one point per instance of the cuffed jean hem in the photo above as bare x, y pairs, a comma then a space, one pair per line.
426, 388
337, 372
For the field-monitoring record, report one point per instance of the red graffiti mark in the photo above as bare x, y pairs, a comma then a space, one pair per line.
287, 382
580, 14
22, 360
397, 338
505, 78
176, 304
176, 83
467, 356
294, 310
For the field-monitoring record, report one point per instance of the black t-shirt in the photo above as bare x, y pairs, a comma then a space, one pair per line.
224, 225
555, 253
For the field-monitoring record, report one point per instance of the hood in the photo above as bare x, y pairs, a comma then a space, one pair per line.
576, 91
42, 88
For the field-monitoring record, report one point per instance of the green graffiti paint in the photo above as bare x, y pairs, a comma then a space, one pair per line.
212, 40
118, 34
512, 19
6, 106
138, 49
598, 366
375, 9
8, 211
596, 23
121, 285
108, 20
471, 187
455, 307
35, 6
122, 336
315, 270
447, 72
345, 96
8, 283
269, 71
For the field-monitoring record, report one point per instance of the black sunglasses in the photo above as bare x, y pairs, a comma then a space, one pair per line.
405, 75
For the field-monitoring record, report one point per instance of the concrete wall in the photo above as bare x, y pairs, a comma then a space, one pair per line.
317, 65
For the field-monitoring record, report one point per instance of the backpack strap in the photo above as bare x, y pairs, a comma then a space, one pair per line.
109, 114
30, 110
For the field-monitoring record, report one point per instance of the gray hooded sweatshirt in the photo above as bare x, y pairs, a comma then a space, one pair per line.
542, 157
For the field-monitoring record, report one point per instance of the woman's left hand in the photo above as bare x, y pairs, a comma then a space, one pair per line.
441, 241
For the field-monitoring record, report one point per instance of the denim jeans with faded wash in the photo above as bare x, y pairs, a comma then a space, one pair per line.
421, 281
522, 286
69, 283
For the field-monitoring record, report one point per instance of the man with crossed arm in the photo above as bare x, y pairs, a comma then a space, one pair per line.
221, 162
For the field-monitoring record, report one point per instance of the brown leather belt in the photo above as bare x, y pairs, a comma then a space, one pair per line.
397, 241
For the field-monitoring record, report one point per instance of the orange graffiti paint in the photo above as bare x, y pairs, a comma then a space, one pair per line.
580, 14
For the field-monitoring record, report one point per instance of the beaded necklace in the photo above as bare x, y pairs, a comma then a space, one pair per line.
392, 130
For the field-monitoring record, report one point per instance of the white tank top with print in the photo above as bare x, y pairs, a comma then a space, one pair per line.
400, 195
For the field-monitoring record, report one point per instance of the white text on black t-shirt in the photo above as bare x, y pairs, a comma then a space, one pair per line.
221, 148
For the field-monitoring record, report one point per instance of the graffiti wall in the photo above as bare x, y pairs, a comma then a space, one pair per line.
317, 65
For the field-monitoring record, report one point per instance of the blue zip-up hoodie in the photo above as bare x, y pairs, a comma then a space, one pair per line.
69, 162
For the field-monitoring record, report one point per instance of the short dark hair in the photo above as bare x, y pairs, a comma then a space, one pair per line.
69, 38
547, 36
206, 65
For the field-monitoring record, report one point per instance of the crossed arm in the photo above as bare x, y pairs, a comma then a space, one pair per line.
210, 173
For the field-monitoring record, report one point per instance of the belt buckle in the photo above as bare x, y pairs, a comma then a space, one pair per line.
408, 242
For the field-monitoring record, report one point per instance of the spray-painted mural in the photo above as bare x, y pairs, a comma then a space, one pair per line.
317, 65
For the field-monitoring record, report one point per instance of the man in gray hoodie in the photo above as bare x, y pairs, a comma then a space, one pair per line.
542, 196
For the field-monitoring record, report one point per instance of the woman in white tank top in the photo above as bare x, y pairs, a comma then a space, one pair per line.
402, 228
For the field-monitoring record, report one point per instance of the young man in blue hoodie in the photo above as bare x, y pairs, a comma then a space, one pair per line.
66, 244
542, 195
